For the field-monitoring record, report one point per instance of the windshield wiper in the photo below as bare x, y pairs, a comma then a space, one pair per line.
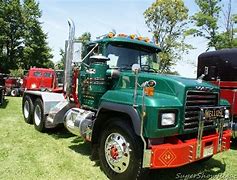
125, 67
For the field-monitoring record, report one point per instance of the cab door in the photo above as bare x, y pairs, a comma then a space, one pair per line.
34, 79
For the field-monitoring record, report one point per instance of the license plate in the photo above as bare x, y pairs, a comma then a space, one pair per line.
213, 113
208, 151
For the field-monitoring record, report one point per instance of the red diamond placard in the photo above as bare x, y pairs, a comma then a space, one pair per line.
167, 157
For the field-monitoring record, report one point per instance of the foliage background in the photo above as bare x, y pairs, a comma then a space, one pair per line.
22, 41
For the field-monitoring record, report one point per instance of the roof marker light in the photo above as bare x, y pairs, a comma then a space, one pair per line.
110, 34
132, 36
146, 39
139, 38
122, 35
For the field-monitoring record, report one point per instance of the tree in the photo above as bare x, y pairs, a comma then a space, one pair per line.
36, 51
228, 39
60, 64
22, 41
207, 22
166, 19
84, 39
11, 37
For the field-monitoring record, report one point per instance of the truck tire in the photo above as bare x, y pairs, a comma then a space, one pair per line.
39, 117
6, 92
204, 159
27, 109
14, 92
120, 151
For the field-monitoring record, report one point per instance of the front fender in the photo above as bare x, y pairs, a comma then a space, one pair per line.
123, 108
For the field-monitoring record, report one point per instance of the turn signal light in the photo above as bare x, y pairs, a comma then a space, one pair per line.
149, 91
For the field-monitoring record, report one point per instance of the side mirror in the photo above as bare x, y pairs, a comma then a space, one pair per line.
136, 68
77, 54
76, 51
206, 70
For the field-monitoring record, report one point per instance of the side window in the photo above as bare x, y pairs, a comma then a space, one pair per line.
37, 74
88, 50
212, 74
48, 74
145, 60
113, 60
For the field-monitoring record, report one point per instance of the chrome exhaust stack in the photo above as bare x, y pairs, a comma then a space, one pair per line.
67, 85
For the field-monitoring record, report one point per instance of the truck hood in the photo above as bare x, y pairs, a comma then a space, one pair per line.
166, 84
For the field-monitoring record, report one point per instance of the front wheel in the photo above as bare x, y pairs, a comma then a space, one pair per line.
120, 151
39, 117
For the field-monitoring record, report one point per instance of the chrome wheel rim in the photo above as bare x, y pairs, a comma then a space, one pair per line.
13, 93
26, 109
117, 152
37, 115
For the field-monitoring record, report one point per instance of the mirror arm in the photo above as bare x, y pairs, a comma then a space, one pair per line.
88, 55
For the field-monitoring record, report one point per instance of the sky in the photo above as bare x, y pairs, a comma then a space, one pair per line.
101, 16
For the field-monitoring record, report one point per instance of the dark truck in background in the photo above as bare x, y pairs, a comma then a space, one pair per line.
2, 88
220, 68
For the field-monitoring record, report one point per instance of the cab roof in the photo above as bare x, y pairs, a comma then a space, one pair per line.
222, 54
41, 69
128, 41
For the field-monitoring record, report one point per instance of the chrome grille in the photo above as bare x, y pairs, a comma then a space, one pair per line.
195, 100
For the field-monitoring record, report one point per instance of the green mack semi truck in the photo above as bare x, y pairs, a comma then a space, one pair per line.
135, 118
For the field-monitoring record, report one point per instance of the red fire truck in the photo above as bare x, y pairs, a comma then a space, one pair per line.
220, 68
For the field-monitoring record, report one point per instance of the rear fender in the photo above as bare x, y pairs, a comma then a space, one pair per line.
49, 99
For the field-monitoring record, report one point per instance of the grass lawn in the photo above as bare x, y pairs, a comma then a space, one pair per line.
28, 154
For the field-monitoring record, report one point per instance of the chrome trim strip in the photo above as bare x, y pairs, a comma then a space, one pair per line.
200, 133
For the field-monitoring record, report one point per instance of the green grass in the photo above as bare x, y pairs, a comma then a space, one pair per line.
28, 154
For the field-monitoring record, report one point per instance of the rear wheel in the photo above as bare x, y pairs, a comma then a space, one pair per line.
7, 92
27, 109
14, 92
120, 151
39, 117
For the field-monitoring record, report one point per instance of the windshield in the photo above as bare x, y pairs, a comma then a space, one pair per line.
124, 56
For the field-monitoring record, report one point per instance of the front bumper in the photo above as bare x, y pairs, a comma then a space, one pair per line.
178, 153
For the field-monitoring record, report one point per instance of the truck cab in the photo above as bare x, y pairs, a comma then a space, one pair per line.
135, 118
40, 78
220, 68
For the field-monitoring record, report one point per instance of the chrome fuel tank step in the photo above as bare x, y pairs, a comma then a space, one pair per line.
79, 122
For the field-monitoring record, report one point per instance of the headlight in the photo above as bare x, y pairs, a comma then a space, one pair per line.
227, 114
33, 86
167, 119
